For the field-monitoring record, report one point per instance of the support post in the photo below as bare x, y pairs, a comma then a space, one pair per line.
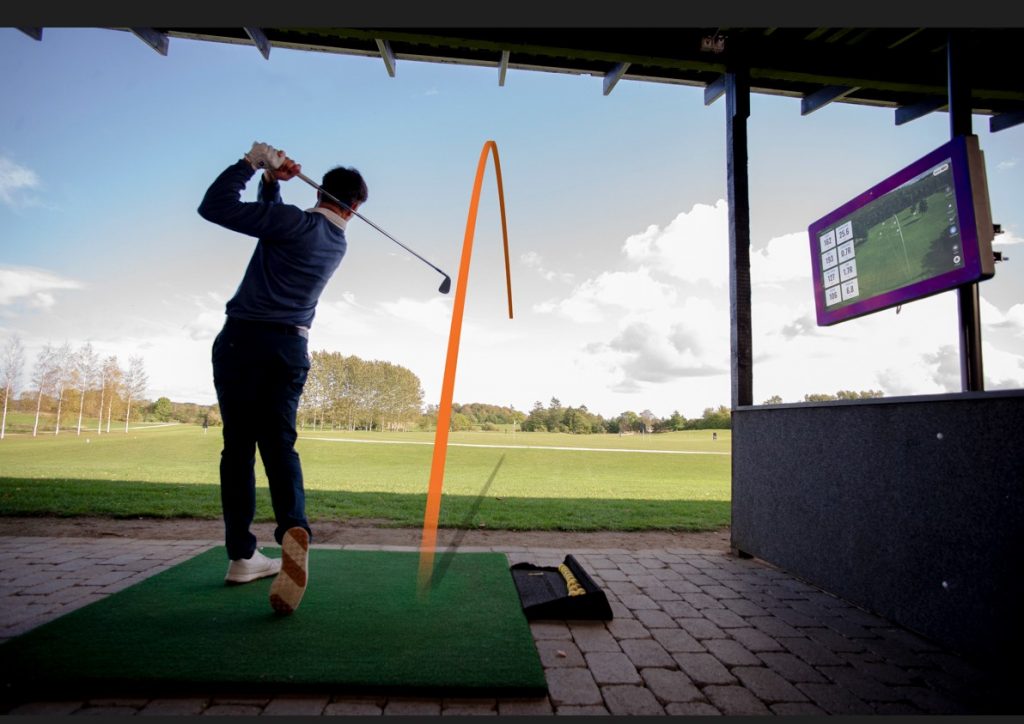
737, 94
972, 378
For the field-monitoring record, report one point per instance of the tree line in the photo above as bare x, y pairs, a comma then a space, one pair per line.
70, 389
349, 393
81, 390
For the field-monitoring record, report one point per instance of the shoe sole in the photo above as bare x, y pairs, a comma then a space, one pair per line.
289, 586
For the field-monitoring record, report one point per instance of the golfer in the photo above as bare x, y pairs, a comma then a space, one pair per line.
261, 357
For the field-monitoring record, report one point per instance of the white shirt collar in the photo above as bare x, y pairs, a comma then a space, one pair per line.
331, 216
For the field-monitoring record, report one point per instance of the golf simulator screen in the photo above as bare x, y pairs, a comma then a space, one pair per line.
923, 230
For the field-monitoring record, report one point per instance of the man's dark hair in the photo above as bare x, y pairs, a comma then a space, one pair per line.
346, 184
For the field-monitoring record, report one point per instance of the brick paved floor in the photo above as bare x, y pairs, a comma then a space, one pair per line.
695, 632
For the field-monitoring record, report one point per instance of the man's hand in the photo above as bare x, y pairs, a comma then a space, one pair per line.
264, 156
287, 170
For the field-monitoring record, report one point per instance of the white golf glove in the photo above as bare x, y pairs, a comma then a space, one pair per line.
265, 156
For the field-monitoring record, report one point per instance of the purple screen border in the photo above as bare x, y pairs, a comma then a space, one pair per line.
956, 151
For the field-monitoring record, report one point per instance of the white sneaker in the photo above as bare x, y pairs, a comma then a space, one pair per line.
244, 570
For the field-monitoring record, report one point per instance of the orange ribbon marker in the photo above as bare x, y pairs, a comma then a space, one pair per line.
444, 412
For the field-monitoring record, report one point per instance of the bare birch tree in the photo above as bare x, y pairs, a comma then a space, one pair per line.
135, 381
42, 378
11, 364
87, 370
63, 360
112, 376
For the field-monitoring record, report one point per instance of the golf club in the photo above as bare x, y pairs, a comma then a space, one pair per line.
446, 285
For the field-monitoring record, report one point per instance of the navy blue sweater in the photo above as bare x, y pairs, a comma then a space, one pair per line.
295, 256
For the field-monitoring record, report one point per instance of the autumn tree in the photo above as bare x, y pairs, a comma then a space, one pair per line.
86, 374
42, 379
11, 364
134, 385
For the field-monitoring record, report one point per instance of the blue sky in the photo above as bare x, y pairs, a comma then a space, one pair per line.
616, 219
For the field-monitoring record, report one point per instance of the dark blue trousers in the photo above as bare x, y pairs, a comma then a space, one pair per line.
259, 375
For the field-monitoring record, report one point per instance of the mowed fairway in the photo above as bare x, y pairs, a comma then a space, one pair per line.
523, 481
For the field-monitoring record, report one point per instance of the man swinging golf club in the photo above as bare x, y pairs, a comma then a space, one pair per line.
261, 359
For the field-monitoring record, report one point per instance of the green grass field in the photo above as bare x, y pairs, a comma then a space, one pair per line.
518, 481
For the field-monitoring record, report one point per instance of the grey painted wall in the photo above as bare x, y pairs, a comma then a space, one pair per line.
912, 508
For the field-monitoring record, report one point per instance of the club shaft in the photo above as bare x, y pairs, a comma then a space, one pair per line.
343, 205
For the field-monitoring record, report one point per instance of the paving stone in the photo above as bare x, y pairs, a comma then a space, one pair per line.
655, 619
609, 575
623, 588
796, 709
701, 628
229, 710
47, 708
896, 708
174, 706
619, 610
627, 629
107, 711
402, 706
469, 707
682, 586
833, 640
572, 687
793, 617
549, 630
811, 651
774, 627
735, 700
766, 684
911, 640
731, 652
720, 592
558, 653
744, 607
524, 707
891, 674
704, 668
296, 705
582, 711
681, 609
661, 593
630, 701
646, 652
354, 708
724, 618
593, 637
791, 668
864, 686
929, 700
612, 668
701, 600
756, 640
675, 640
695, 708
835, 699
639, 602
670, 685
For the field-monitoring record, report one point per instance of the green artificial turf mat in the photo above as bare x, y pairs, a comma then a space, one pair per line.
361, 626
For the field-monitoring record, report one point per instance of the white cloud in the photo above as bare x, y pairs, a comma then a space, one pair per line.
34, 287
433, 315
1006, 164
693, 247
785, 258
14, 181
533, 260
619, 291
1007, 238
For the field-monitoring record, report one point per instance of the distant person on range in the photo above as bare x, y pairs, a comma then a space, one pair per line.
261, 357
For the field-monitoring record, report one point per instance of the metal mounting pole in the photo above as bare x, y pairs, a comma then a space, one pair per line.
737, 96
972, 378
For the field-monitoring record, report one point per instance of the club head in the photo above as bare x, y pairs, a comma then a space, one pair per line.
446, 285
